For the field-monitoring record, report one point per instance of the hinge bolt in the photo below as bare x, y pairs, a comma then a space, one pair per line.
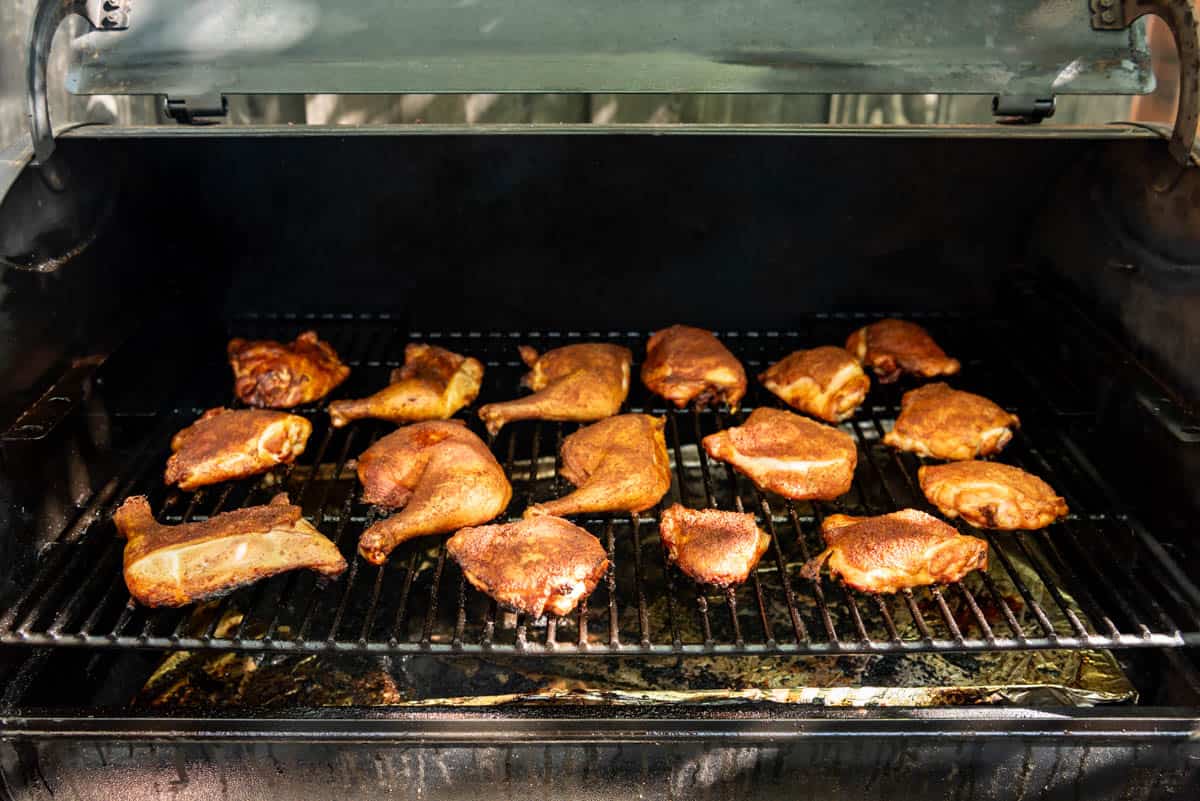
1108, 16
1106, 3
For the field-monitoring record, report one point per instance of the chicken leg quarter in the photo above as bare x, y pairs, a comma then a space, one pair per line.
442, 476
619, 465
578, 383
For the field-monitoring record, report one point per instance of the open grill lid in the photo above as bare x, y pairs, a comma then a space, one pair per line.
1019, 47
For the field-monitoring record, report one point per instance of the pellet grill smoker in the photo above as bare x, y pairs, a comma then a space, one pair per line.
1061, 265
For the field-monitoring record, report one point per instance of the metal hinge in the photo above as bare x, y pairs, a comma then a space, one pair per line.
107, 15
1022, 109
102, 15
1180, 17
206, 109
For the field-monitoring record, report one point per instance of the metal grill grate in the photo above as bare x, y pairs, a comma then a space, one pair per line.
1094, 580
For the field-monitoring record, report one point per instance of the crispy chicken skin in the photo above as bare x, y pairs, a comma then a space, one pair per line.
824, 382
177, 565
443, 476
892, 347
537, 565
618, 465
433, 384
712, 546
788, 454
278, 376
226, 444
946, 423
991, 495
579, 383
895, 551
685, 364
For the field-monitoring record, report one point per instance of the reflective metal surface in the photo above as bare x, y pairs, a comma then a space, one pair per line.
1029, 47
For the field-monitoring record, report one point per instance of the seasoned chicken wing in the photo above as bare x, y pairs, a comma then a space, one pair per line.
227, 444
892, 347
433, 384
896, 551
442, 475
278, 376
177, 565
991, 495
578, 383
712, 546
788, 454
685, 364
825, 382
535, 566
946, 423
618, 465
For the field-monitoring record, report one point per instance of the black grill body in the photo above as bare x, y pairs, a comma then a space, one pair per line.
1015, 250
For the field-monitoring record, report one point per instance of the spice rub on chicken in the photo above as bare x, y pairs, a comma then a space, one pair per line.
788, 454
896, 551
946, 423
433, 384
579, 383
712, 546
825, 382
536, 565
685, 364
617, 465
279, 376
440, 475
228, 444
893, 347
991, 495
178, 565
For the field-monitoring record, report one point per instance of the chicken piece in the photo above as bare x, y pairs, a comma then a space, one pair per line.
685, 364
227, 444
712, 546
433, 384
892, 347
946, 423
788, 454
579, 383
991, 495
177, 565
824, 382
277, 376
538, 565
896, 551
619, 465
439, 474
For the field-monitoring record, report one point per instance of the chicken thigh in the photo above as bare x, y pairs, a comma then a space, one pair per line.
278, 376
824, 382
578, 383
788, 454
443, 476
946, 423
712, 546
892, 347
991, 495
685, 364
433, 384
227, 444
538, 565
896, 551
618, 465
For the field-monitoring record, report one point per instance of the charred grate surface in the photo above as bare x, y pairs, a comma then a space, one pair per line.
1095, 580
